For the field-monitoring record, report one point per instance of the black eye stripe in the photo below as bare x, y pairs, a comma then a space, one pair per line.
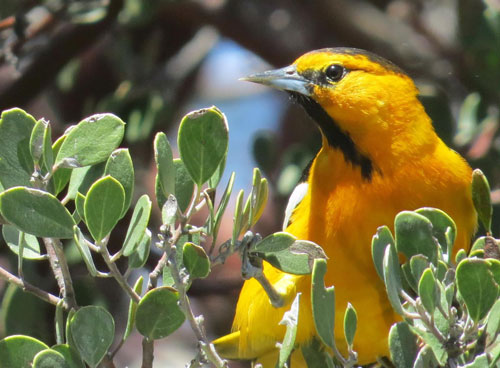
321, 78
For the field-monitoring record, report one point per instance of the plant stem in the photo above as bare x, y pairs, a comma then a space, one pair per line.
195, 322
60, 269
115, 272
147, 353
52, 299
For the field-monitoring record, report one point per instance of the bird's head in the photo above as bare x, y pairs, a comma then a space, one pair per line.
364, 105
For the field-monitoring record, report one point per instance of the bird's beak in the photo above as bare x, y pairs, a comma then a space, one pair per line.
286, 79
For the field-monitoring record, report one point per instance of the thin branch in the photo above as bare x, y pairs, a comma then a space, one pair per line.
42, 294
115, 272
60, 269
147, 353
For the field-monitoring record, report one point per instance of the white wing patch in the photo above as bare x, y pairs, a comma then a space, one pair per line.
296, 197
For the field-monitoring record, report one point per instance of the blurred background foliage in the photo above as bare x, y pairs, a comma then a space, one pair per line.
151, 61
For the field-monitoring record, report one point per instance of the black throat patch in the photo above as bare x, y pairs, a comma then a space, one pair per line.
335, 136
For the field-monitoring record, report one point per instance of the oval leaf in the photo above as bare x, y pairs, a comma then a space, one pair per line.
195, 260
18, 351
482, 198
92, 331
91, 141
203, 141
350, 324
139, 257
49, 359
380, 241
477, 287
158, 313
31, 247
323, 304
138, 224
184, 185
442, 224
16, 164
402, 345
103, 206
414, 235
164, 164
427, 291
36, 212
120, 167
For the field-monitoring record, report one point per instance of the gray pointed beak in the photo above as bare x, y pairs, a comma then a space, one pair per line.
285, 79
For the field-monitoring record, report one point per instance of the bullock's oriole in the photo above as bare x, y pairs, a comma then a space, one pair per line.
379, 156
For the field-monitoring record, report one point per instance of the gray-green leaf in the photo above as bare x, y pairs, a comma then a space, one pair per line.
36, 212
158, 313
120, 167
91, 141
138, 225
323, 304
203, 142
103, 206
92, 342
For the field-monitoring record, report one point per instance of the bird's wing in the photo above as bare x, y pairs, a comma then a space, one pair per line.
296, 197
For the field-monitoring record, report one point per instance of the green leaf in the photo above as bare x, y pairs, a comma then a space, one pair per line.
315, 354
36, 212
418, 264
438, 351
41, 145
414, 235
91, 141
425, 358
158, 314
274, 243
291, 321
441, 224
84, 250
392, 278
350, 324
380, 241
428, 291
20, 314
16, 164
323, 304
139, 257
165, 164
49, 359
219, 172
402, 345
82, 179
195, 260
138, 224
132, 308
71, 356
238, 215
223, 204
460, 256
61, 176
169, 211
80, 205
297, 259
477, 287
479, 361
103, 206
92, 342
481, 198
493, 324
120, 167
184, 185
13, 237
18, 351
203, 142
167, 278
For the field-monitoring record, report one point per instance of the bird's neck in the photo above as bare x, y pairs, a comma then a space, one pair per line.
386, 141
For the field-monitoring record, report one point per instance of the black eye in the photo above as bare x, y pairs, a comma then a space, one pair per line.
335, 72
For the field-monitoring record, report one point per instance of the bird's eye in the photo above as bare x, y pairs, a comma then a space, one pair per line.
335, 72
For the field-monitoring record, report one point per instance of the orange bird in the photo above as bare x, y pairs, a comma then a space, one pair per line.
380, 155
